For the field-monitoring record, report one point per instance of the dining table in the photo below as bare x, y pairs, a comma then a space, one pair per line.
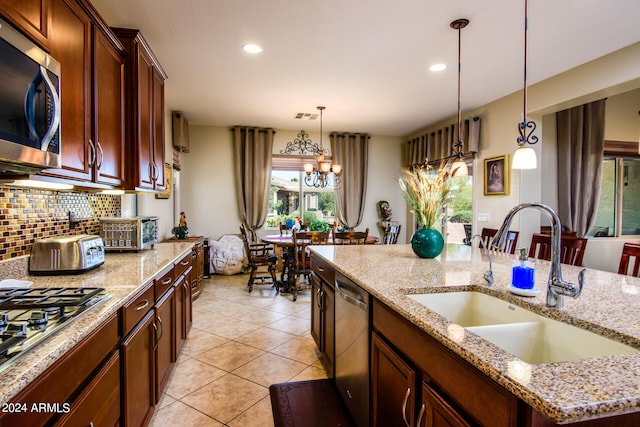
281, 244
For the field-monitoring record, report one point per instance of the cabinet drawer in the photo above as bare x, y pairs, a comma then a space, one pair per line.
182, 265
135, 310
323, 269
99, 403
164, 282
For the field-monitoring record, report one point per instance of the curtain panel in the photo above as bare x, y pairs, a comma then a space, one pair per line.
252, 149
352, 152
580, 134
438, 145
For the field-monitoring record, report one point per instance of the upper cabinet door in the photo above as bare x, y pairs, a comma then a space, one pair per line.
70, 43
160, 180
30, 16
108, 111
144, 124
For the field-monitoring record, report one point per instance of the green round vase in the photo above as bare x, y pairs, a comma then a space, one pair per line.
427, 242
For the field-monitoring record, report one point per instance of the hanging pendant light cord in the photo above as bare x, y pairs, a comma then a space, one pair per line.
459, 24
526, 127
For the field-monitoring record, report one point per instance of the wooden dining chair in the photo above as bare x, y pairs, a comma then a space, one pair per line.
571, 248
301, 261
630, 252
390, 234
259, 255
487, 235
350, 237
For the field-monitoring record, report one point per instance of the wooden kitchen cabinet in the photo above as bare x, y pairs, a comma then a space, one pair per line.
165, 340
198, 265
71, 378
29, 16
457, 393
144, 112
323, 310
92, 95
393, 386
183, 304
138, 372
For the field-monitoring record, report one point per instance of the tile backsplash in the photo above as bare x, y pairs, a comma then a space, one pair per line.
28, 214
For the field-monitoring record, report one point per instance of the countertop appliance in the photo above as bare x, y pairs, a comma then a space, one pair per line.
28, 316
129, 234
66, 254
29, 105
353, 320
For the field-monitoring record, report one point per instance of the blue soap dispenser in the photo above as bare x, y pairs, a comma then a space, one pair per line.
523, 275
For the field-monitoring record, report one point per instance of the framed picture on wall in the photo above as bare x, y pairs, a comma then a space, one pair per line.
169, 177
496, 176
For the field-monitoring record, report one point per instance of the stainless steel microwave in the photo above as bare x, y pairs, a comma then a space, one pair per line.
29, 105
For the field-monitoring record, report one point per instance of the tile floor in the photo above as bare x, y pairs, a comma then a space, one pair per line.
240, 344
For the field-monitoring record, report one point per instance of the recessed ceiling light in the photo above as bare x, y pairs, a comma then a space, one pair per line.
438, 67
251, 48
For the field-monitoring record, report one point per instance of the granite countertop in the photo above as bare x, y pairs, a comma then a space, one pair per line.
563, 391
123, 275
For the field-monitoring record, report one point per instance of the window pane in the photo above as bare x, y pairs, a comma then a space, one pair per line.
606, 218
631, 197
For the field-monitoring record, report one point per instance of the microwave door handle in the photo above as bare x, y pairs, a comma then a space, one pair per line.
55, 123
29, 107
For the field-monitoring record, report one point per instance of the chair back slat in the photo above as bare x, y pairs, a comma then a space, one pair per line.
487, 234
630, 252
571, 248
350, 237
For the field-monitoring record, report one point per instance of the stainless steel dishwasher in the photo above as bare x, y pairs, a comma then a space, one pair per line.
352, 317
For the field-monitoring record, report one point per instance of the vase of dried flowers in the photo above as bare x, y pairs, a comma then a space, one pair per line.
426, 192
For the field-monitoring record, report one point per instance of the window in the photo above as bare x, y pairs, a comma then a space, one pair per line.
459, 208
290, 197
618, 214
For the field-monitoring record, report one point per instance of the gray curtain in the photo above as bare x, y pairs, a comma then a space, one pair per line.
252, 149
580, 133
350, 151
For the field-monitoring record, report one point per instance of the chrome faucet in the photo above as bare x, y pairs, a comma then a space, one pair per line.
556, 287
488, 275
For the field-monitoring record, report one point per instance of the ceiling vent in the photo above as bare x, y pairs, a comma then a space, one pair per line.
180, 132
306, 116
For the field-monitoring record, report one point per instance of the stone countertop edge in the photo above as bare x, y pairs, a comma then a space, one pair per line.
565, 392
123, 275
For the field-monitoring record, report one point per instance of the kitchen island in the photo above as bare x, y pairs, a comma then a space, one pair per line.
127, 278
560, 392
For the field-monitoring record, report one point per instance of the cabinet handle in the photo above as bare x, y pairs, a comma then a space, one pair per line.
404, 406
92, 153
320, 269
420, 415
151, 172
185, 262
155, 332
142, 305
321, 300
100, 156
161, 331
167, 281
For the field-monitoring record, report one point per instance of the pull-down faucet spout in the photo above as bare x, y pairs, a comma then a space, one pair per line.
556, 287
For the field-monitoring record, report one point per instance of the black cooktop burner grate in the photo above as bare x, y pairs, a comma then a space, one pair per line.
12, 299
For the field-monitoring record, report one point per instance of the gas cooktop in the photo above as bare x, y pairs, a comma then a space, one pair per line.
28, 316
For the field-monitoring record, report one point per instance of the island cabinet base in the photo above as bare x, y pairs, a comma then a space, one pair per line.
417, 381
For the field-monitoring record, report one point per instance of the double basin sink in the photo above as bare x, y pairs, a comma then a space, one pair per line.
530, 337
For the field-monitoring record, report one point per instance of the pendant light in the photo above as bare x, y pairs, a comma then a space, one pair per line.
525, 157
459, 166
318, 177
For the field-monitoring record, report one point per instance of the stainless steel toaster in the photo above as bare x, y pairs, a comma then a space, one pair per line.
66, 254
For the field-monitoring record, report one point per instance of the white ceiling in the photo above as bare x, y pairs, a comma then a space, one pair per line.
367, 61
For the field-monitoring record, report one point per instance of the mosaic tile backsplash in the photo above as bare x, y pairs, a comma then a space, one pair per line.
29, 214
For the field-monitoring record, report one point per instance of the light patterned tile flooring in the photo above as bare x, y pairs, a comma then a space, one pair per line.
240, 343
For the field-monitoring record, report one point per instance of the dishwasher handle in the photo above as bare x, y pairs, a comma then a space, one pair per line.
352, 294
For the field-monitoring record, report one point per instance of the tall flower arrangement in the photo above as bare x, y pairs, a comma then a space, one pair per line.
426, 192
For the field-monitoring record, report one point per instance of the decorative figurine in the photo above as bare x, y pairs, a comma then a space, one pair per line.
181, 230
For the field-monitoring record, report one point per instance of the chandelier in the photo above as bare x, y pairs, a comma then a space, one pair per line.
317, 175
459, 166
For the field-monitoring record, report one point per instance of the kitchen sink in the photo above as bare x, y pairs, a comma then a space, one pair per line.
529, 336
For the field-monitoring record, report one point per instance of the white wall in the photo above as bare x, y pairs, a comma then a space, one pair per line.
613, 74
208, 187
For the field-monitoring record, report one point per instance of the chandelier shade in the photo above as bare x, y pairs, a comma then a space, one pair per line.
319, 175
